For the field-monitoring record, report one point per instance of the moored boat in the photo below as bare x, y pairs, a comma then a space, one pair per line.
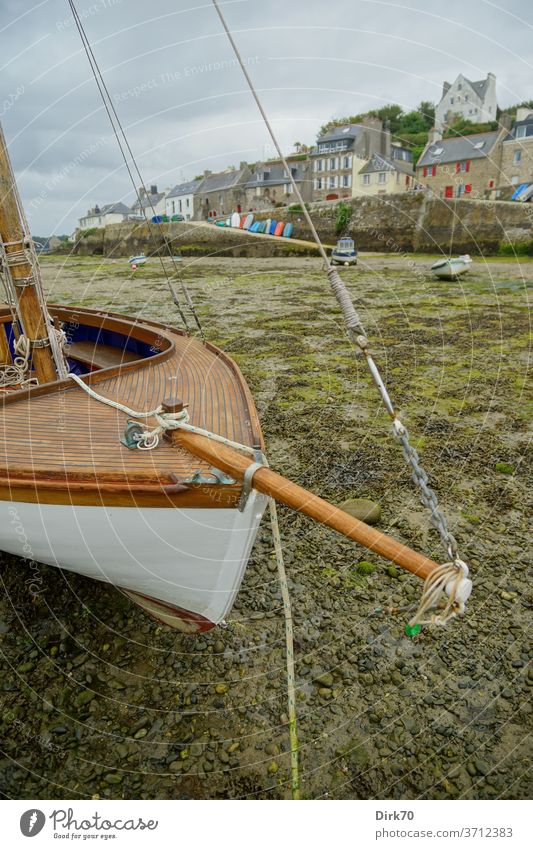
344, 252
452, 267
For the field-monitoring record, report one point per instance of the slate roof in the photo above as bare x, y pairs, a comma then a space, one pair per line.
117, 208
188, 188
458, 149
277, 175
218, 182
382, 163
479, 86
148, 201
350, 131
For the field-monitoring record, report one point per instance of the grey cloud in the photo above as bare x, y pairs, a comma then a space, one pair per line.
183, 101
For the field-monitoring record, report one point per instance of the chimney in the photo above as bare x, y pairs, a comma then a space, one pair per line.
434, 135
373, 135
506, 121
243, 165
153, 190
386, 140
207, 173
522, 113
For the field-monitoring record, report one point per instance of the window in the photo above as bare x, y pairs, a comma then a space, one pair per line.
333, 163
187, 203
288, 188
347, 162
514, 180
517, 157
520, 132
319, 165
366, 179
173, 207
468, 188
318, 183
452, 100
462, 167
332, 182
346, 181
382, 177
179, 203
459, 87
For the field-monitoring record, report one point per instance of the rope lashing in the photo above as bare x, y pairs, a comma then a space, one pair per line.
351, 317
451, 580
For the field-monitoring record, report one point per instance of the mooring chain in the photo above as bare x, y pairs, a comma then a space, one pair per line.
428, 496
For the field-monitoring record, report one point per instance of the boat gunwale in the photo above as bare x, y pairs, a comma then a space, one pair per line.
74, 487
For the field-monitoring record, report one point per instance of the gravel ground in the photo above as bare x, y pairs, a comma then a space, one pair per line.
99, 701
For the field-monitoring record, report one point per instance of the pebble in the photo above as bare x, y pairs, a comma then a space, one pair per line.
362, 509
221, 689
325, 680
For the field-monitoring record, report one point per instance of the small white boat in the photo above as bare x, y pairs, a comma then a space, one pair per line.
140, 259
451, 268
344, 252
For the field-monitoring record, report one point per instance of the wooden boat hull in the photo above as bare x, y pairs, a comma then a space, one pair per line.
187, 563
159, 524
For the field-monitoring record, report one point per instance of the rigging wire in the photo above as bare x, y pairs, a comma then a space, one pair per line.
126, 151
357, 334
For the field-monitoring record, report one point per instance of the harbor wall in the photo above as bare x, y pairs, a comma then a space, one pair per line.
389, 223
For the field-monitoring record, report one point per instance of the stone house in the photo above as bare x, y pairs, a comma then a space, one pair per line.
110, 213
465, 166
270, 185
517, 153
182, 198
223, 193
384, 174
473, 101
334, 154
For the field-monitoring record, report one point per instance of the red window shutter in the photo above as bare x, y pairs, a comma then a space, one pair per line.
448, 192
468, 165
491, 184
468, 188
457, 167
434, 171
425, 172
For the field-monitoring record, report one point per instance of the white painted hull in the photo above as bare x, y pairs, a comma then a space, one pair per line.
450, 269
191, 558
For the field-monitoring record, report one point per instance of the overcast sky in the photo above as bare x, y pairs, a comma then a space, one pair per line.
183, 102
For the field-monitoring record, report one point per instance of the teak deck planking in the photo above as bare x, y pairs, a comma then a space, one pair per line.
58, 445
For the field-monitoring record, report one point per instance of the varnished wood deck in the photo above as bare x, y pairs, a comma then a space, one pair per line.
57, 445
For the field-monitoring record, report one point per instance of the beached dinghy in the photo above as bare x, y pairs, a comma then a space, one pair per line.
132, 453
451, 268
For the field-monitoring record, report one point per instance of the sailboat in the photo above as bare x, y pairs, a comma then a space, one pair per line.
131, 451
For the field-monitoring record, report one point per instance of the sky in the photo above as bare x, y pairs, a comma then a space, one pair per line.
184, 103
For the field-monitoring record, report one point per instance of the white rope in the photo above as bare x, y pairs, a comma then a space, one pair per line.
165, 421
17, 373
289, 649
449, 579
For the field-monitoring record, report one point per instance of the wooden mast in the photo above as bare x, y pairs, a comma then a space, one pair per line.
29, 306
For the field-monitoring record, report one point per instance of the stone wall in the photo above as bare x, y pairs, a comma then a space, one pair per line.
388, 223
